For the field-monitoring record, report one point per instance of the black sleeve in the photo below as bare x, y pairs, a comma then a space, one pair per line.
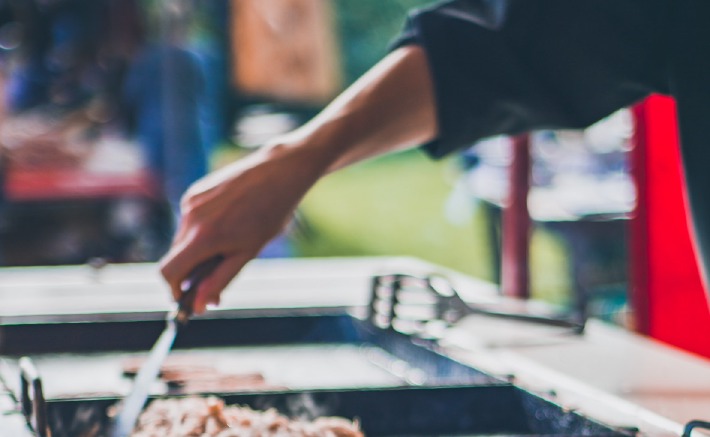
510, 66
689, 74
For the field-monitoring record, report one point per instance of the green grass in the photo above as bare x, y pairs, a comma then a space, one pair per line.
392, 206
395, 206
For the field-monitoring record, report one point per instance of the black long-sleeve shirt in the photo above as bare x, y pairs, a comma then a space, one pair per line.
510, 66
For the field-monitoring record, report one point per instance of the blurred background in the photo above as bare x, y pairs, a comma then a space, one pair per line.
109, 109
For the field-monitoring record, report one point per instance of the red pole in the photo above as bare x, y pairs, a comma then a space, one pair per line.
515, 234
639, 300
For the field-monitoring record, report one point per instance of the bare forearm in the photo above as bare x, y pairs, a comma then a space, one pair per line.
390, 108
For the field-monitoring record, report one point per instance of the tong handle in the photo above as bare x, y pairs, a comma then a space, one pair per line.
701, 424
189, 288
451, 303
388, 294
34, 406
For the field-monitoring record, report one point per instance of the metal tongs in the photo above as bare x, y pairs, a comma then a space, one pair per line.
408, 303
124, 422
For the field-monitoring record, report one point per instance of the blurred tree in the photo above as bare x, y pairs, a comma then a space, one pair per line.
366, 28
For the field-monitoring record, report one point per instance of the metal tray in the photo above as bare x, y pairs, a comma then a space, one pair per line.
394, 384
310, 350
494, 410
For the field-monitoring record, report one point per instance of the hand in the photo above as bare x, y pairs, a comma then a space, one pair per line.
234, 212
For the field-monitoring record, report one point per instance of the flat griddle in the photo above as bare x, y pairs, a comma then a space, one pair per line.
485, 410
311, 349
394, 384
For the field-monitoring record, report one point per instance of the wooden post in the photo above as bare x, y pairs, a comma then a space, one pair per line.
285, 50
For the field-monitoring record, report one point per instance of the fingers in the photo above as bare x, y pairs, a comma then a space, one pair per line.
210, 289
181, 261
178, 263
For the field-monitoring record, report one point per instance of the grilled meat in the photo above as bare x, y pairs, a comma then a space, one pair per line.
206, 417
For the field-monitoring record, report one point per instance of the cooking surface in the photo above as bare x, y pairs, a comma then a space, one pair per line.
307, 351
293, 367
391, 382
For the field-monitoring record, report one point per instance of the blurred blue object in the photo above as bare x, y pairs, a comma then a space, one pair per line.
164, 87
27, 86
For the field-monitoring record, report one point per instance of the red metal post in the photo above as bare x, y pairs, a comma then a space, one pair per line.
666, 291
638, 229
515, 227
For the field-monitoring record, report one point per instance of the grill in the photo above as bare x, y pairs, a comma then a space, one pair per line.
383, 367
393, 383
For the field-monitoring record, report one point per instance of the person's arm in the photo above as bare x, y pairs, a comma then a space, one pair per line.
236, 210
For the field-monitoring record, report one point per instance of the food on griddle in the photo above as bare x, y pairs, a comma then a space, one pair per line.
209, 417
191, 376
219, 383
171, 366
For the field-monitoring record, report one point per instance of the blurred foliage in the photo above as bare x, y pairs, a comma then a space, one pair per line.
366, 28
394, 206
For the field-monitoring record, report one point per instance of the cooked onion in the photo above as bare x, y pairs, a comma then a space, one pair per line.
206, 417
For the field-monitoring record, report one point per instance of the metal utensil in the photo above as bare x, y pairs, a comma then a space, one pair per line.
124, 423
414, 301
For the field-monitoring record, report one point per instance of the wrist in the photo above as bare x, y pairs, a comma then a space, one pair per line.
311, 152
